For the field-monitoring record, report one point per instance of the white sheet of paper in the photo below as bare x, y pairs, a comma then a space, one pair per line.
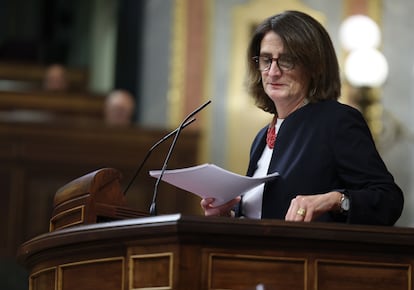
209, 180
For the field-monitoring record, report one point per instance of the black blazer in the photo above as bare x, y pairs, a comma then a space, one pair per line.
322, 147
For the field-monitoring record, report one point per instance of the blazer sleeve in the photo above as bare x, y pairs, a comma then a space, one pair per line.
375, 197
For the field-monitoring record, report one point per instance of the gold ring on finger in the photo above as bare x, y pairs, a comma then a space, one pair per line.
301, 211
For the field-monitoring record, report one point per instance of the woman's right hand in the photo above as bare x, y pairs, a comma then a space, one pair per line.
222, 210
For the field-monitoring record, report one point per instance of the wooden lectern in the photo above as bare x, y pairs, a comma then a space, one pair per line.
92, 198
212, 253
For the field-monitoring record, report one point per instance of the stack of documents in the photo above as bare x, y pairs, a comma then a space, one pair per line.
211, 181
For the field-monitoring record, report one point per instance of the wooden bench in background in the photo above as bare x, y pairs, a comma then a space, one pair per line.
32, 75
36, 159
77, 106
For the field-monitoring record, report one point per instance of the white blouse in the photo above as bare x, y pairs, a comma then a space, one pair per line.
252, 199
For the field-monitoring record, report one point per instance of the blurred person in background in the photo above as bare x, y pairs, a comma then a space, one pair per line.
56, 78
119, 108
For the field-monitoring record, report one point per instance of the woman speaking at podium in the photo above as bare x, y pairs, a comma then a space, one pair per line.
329, 167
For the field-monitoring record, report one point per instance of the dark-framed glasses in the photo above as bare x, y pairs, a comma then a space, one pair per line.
264, 62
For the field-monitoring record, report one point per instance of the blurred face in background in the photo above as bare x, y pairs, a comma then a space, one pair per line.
119, 108
55, 78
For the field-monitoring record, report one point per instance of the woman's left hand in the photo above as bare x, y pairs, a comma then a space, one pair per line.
308, 207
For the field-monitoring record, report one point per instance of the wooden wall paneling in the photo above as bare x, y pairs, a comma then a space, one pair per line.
7, 214
17, 202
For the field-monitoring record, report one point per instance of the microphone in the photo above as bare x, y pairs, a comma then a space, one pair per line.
153, 207
150, 151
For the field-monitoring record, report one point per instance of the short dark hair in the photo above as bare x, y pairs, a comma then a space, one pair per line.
309, 43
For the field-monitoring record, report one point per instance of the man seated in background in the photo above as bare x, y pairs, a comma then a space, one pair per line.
56, 78
119, 108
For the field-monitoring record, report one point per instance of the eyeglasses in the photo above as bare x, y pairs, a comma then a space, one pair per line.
283, 62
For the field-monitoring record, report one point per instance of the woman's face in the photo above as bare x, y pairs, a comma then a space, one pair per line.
283, 86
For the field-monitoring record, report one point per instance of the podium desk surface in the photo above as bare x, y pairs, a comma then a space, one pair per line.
216, 228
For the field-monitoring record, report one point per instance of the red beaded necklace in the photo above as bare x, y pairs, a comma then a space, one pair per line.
271, 133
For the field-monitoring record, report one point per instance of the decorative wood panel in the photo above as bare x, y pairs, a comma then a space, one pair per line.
252, 271
151, 271
68, 218
43, 280
343, 275
102, 274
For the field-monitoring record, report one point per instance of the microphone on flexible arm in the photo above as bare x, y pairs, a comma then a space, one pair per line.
150, 151
153, 207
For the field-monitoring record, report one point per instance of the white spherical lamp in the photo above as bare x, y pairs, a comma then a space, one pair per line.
366, 68
359, 31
